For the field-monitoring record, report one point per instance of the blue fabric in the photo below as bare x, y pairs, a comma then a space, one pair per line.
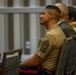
28, 68
41, 72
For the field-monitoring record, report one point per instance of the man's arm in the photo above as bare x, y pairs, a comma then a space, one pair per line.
32, 61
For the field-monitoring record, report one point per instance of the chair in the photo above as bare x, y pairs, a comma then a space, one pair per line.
11, 62
70, 67
63, 57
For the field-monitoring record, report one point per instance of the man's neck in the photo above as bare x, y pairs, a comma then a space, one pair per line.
63, 17
50, 24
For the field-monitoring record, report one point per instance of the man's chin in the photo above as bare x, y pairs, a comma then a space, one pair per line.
42, 23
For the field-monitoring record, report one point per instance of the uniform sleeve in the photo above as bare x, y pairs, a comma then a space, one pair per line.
46, 46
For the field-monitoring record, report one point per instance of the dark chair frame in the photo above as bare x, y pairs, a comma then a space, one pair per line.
11, 64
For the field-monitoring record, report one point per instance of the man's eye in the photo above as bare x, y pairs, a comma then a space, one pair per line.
42, 13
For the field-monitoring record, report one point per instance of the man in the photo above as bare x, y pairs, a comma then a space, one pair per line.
67, 29
47, 53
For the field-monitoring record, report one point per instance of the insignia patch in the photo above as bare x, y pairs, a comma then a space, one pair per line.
44, 46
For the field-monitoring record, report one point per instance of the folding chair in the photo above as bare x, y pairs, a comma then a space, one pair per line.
70, 67
63, 57
11, 62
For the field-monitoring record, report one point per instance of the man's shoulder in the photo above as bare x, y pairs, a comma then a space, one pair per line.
63, 23
56, 30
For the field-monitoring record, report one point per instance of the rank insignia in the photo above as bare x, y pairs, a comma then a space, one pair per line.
44, 46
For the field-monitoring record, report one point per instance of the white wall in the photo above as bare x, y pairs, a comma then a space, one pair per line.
19, 25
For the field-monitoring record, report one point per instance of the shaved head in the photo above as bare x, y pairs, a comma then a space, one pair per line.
63, 8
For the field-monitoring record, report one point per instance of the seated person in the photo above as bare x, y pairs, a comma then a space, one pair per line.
44, 61
72, 17
63, 24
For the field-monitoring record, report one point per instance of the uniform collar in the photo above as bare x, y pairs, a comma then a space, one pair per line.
60, 21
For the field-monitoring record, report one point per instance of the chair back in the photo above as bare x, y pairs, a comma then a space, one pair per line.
70, 67
63, 56
11, 62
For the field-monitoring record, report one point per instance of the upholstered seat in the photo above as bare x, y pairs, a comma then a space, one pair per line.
70, 67
63, 57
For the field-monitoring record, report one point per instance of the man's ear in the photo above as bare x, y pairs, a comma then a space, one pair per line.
61, 14
50, 15
72, 19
